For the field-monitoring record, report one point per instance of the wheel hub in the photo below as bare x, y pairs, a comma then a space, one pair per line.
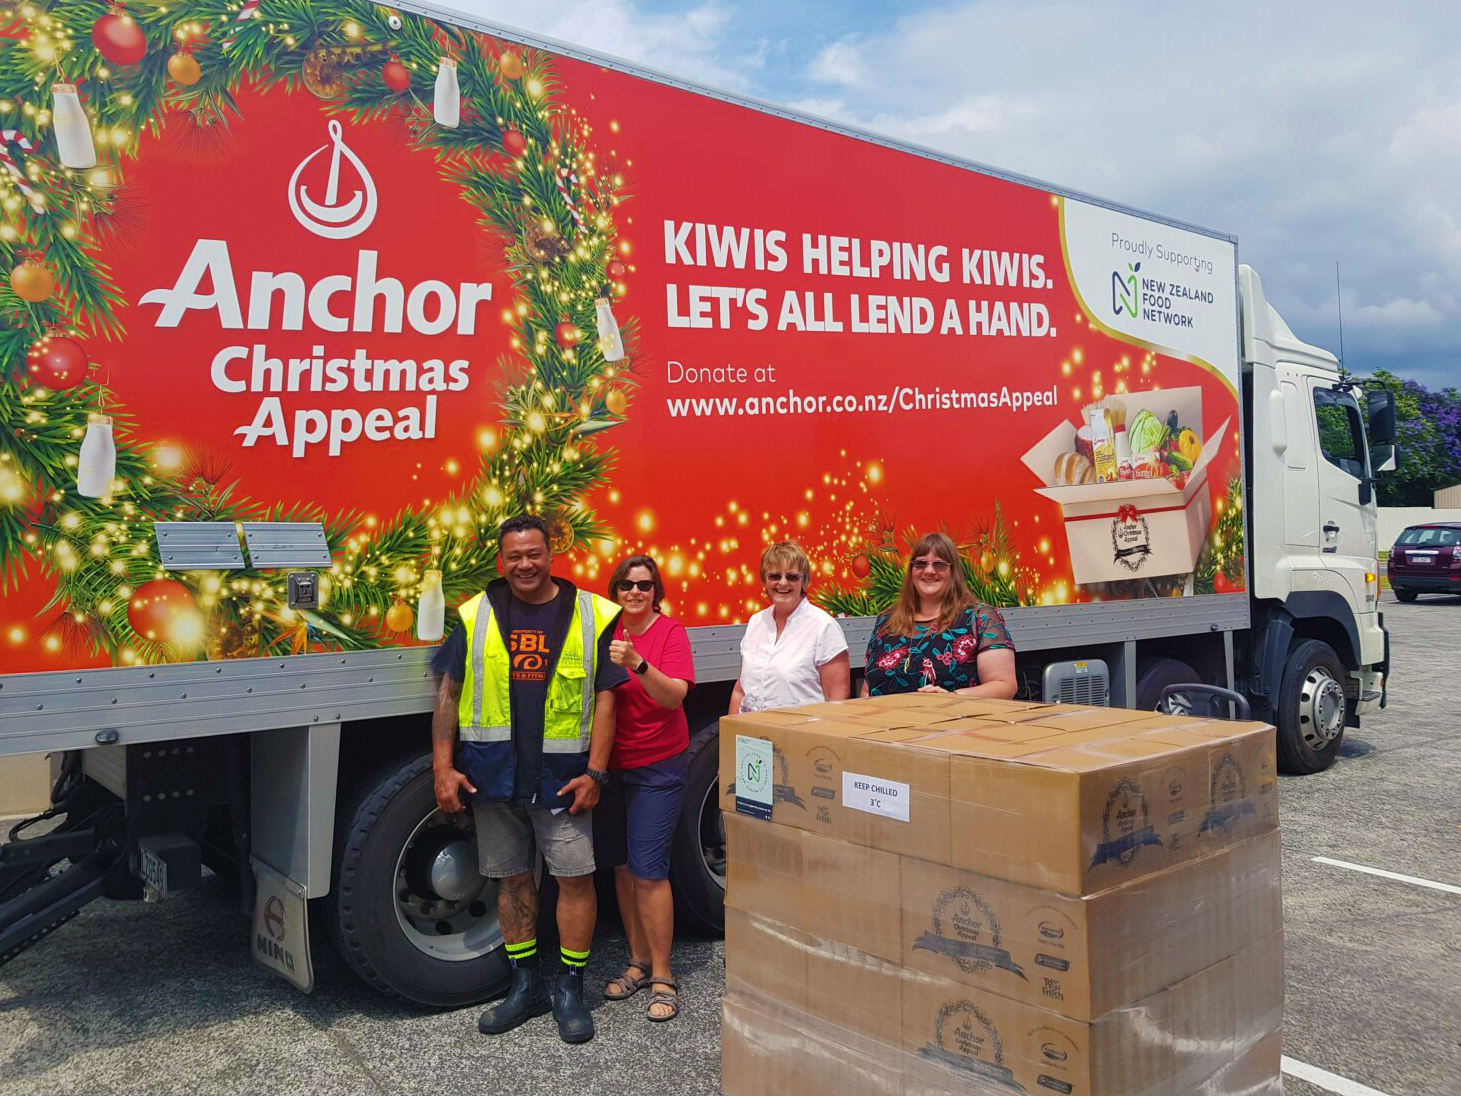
1321, 708
445, 908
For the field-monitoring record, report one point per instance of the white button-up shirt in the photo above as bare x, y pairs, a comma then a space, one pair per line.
782, 672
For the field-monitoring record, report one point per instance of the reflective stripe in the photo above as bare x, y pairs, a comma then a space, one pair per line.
565, 745
590, 649
485, 734
478, 654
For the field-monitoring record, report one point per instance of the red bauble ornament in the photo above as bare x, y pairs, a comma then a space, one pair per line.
1222, 585
396, 75
511, 65
118, 38
616, 269
567, 333
513, 142
861, 566
56, 362
164, 611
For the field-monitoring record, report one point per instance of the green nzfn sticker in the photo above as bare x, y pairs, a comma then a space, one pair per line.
754, 781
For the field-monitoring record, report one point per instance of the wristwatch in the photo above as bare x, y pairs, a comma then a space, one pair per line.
598, 776
643, 667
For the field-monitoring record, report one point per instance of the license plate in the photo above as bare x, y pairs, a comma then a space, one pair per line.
154, 873
1422, 557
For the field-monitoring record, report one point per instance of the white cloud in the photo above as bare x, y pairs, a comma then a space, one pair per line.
1314, 131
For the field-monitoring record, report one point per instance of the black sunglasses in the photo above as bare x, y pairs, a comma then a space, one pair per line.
643, 585
787, 576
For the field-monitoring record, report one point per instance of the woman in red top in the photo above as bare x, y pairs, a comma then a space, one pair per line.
636, 815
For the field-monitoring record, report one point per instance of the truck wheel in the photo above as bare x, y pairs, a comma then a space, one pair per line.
1155, 674
1406, 596
1311, 708
409, 912
697, 853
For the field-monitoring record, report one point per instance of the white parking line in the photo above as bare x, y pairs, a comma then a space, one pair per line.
1333, 1082
1447, 887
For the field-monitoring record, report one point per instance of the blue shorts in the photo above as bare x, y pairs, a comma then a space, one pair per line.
635, 819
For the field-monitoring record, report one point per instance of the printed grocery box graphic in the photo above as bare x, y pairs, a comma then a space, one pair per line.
399, 280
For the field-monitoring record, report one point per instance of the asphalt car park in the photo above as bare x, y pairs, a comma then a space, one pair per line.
140, 999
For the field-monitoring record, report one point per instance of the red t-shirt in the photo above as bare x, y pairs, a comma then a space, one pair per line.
643, 731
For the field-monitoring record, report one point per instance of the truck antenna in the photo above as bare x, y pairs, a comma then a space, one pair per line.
1339, 304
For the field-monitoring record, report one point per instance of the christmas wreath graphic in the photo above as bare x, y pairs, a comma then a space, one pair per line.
81, 84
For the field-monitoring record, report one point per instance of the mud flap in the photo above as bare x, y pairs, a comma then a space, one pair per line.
280, 938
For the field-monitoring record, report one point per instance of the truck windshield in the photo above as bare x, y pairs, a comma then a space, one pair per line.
1341, 433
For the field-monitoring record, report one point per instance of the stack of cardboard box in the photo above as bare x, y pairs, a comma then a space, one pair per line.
936, 894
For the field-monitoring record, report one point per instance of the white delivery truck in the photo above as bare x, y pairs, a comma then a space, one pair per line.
305, 298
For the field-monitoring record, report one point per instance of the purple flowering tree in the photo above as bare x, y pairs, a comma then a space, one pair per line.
1428, 428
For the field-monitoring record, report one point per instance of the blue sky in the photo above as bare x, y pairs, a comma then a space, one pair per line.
1315, 132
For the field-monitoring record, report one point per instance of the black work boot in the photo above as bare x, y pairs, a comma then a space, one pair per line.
575, 1025
527, 998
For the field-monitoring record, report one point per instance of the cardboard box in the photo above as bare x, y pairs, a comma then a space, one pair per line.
854, 991
766, 960
1083, 957
957, 1039
833, 890
768, 1051
1133, 528
1079, 819
1090, 799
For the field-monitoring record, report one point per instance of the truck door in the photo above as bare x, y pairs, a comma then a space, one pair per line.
1346, 526
1300, 496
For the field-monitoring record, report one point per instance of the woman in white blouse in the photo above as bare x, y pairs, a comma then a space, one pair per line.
792, 653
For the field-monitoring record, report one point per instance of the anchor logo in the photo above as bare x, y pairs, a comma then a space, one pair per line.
334, 218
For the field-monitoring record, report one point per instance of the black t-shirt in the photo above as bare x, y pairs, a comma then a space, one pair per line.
530, 646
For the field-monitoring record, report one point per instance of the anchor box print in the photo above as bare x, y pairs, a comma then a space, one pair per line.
1082, 957
1079, 819
1134, 528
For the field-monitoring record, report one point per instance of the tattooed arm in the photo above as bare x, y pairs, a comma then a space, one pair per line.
449, 782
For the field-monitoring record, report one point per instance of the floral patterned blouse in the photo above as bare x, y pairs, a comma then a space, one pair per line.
900, 664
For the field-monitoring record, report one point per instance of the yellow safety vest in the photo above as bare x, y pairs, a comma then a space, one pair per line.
485, 710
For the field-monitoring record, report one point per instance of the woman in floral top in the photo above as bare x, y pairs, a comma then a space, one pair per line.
937, 638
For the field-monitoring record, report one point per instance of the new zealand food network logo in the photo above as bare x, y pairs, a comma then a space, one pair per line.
1124, 295
347, 210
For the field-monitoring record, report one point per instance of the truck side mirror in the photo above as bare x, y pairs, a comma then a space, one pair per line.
1383, 458
1367, 491
1380, 408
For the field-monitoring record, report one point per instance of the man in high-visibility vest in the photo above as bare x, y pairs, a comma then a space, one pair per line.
527, 685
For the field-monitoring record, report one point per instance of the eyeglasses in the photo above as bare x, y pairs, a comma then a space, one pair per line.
783, 576
937, 565
643, 585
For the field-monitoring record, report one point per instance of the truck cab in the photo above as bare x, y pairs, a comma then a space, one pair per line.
1318, 650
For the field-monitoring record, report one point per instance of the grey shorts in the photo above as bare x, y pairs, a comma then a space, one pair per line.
506, 834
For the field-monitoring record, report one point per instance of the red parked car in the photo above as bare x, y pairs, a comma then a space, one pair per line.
1426, 559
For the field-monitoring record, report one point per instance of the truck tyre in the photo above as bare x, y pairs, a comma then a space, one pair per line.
697, 852
1311, 708
408, 911
1155, 674
1406, 596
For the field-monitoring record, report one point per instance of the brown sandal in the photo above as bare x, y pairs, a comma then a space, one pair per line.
627, 984
660, 997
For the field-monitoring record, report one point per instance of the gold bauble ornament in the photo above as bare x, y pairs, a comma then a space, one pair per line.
399, 617
560, 535
616, 402
184, 68
986, 562
32, 281
510, 64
